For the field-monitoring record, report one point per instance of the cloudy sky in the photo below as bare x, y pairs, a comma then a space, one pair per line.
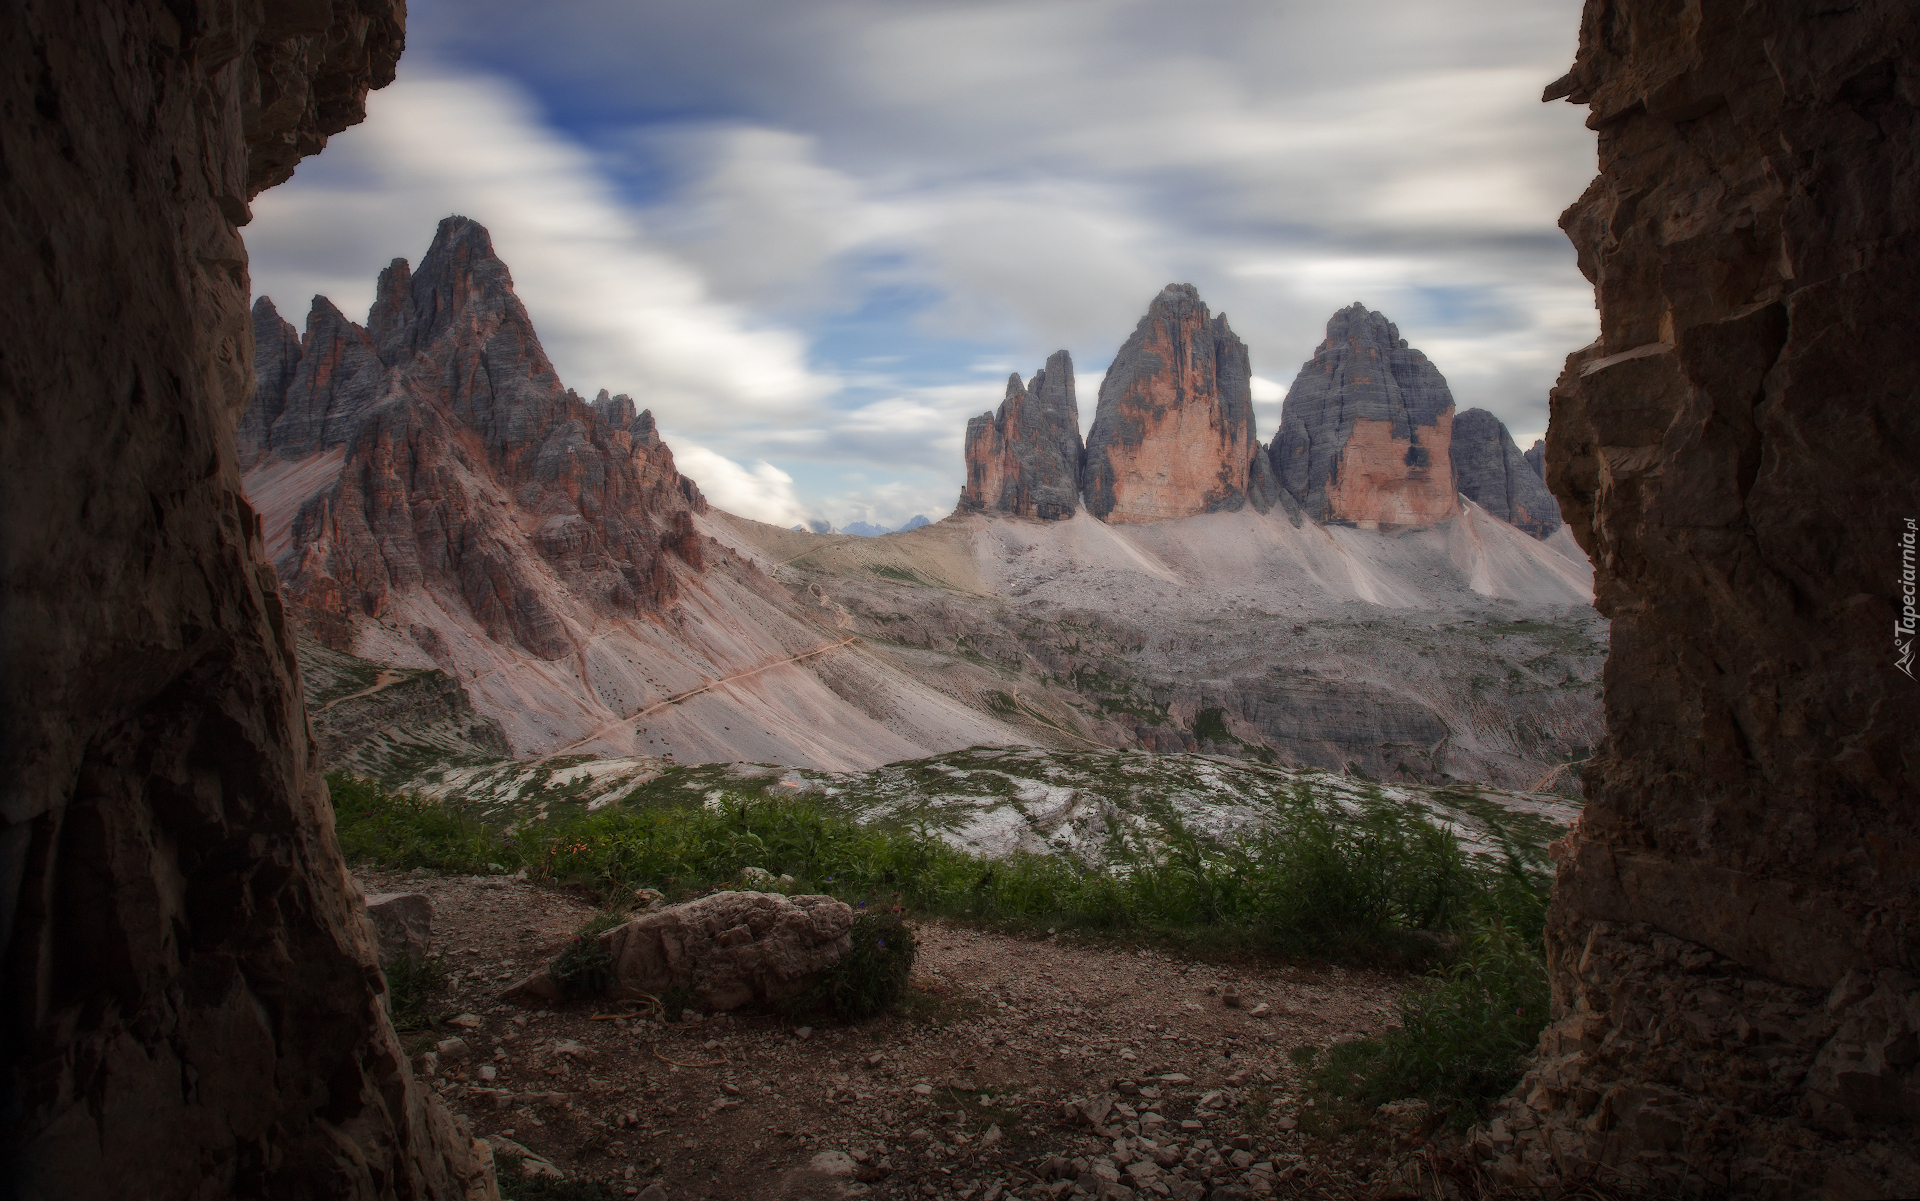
815, 236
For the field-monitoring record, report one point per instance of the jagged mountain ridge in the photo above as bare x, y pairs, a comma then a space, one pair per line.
1366, 438
435, 498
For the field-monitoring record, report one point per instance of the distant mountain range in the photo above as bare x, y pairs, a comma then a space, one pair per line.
866, 529
1379, 591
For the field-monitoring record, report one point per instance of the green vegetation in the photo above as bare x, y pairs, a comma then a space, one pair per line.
1316, 875
872, 977
516, 1185
411, 986
1463, 1040
583, 969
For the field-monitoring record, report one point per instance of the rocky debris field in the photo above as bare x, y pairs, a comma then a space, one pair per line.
1018, 1068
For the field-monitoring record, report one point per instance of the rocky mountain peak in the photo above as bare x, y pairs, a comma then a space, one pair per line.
1366, 433
1173, 434
1489, 470
556, 488
1024, 459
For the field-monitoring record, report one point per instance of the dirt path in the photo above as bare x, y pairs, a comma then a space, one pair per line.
959, 1098
380, 683
709, 686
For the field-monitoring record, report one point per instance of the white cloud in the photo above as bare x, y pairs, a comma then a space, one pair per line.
770, 221
612, 309
762, 491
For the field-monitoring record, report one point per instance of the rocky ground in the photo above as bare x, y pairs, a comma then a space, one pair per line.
963, 1095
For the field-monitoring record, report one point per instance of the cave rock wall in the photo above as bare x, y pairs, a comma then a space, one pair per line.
1735, 934
193, 1005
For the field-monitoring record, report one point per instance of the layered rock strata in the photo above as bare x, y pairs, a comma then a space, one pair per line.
465, 466
192, 995
1490, 471
1536, 458
1734, 928
1366, 432
1025, 459
1173, 433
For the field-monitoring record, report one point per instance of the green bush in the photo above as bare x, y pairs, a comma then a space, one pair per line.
582, 969
412, 984
871, 977
1464, 1040
1374, 882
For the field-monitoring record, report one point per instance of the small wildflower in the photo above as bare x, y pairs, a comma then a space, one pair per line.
862, 905
882, 944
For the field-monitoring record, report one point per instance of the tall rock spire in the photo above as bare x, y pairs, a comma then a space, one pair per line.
1489, 470
1173, 434
1025, 458
1367, 429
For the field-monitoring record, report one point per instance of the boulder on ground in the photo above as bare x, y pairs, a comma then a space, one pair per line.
404, 922
729, 949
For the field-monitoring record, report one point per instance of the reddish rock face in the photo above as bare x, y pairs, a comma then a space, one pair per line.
1735, 933
476, 473
1025, 459
1173, 436
1366, 432
192, 998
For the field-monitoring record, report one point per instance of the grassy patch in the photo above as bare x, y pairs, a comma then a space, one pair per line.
873, 976
1463, 1040
1315, 876
411, 986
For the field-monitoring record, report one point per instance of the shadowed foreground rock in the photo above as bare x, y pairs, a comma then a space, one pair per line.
728, 949
1735, 933
192, 997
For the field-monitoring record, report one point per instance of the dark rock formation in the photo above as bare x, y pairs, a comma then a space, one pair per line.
276, 359
191, 987
1025, 459
1735, 933
1173, 434
1488, 470
1536, 458
476, 474
1366, 430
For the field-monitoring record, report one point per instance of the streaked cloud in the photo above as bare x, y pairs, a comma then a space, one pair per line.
815, 237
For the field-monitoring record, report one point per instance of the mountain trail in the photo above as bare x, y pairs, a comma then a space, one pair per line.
960, 1095
678, 697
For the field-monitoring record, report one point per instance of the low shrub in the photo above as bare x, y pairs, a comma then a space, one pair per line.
1463, 1040
1371, 883
871, 977
411, 986
582, 969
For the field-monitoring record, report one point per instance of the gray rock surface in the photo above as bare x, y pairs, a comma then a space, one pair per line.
1536, 457
729, 948
404, 922
380, 721
1365, 378
1489, 470
1173, 434
1025, 458
276, 359
339, 379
